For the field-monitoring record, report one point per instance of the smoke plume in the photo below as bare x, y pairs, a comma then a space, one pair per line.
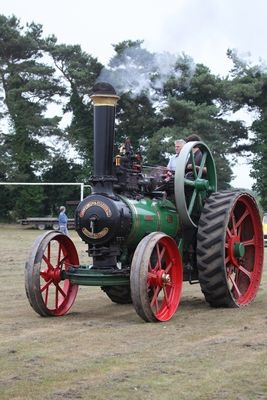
138, 71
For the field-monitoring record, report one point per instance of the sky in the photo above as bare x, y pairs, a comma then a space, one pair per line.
202, 29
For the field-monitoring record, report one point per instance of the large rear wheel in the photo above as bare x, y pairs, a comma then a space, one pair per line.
156, 277
118, 294
230, 249
48, 293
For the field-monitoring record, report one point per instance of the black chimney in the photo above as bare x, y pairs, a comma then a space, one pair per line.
104, 99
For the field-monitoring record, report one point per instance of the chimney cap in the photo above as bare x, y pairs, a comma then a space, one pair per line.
103, 88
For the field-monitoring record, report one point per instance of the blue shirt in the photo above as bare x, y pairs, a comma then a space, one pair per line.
62, 218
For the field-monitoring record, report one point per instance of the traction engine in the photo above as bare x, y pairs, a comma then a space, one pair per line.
146, 234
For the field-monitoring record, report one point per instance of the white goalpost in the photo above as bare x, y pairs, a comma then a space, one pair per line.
82, 185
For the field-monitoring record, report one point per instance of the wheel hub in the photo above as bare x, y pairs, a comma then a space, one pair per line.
165, 278
202, 184
237, 248
159, 278
52, 274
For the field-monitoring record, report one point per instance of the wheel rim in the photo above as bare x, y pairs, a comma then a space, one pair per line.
243, 251
156, 277
48, 292
199, 186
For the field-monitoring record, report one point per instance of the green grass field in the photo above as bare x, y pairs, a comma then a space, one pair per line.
104, 351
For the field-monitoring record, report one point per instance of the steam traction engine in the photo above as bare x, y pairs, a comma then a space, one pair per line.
145, 235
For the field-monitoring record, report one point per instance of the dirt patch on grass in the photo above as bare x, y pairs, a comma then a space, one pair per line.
101, 350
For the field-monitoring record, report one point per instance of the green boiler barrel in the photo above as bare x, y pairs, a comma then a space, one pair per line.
151, 215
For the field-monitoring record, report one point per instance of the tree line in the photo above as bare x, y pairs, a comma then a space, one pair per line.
46, 116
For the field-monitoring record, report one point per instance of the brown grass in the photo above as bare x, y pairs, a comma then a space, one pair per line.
101, 350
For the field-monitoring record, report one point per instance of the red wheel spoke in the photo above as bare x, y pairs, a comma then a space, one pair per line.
245, 271
228, 233
157, 305
153, 268
151, 275
235, 285
154, 299
227, 260
46, 295
47, 261
251, 242
61, 262
229, 270
63, 294
166, 296
241, 219
45, 289
49, 251
169, 266
160, 255
155, 302
60, 290
44, 275
46, 286
47, 258
58, 254
234, 228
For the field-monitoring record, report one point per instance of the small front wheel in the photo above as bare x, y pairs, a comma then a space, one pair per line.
48, 292
156, 277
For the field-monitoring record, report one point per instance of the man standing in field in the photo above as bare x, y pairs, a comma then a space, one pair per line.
63, 221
